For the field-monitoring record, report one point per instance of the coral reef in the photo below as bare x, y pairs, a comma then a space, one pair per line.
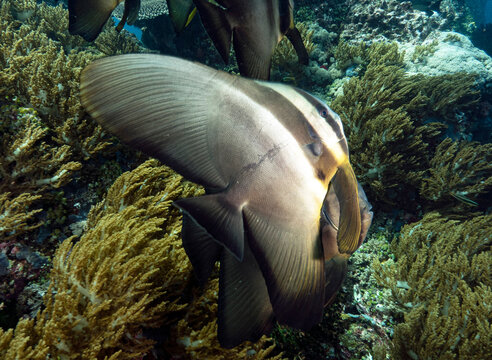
127, 272
387, 113
47, 138
28, 162
284, 59
149, 9
48, 82
384, 20
451, 53
441, 281
460, 176
15, 218
388, 150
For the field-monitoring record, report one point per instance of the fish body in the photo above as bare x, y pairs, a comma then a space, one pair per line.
266, 154
87, 17
255, 27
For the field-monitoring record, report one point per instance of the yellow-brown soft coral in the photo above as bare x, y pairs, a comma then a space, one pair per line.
15, 216
442, 280
51, 60
387, 148
28, 162
460, 173
383, 112
128, 271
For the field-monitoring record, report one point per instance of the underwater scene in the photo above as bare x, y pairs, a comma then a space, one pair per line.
245, 179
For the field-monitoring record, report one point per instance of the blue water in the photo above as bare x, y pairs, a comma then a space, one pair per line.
488, 12
133, 29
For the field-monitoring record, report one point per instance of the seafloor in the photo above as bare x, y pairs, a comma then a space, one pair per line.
91, 264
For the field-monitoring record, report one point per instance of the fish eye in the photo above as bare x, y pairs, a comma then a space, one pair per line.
323, 112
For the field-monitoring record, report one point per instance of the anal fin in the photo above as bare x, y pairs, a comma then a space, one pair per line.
291, 260
253, 59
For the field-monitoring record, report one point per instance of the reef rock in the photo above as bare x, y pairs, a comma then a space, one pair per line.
381, 20
448, 53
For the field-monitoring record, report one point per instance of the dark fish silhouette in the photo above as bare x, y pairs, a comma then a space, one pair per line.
87, 17
255, 27
265, 153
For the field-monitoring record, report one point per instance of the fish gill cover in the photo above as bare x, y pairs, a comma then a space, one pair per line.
415, 100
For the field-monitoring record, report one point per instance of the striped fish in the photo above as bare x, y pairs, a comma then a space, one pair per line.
266, 154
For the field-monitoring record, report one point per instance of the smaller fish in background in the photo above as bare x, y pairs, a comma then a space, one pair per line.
255, 27
461, 197
181, 13
336, 257
87, 17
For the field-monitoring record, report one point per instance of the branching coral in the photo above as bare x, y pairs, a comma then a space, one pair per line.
128, 271
27, 161
48, 80
23, 9
51, 61
15, 216
459, 171
442, 280
383, 112
125, 272
387, 148
195, 334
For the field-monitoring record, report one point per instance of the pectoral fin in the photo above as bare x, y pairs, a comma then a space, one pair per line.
221, 219
253, 60
345, 186
202, 250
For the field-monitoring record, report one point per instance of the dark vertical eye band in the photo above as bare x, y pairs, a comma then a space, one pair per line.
324, 112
